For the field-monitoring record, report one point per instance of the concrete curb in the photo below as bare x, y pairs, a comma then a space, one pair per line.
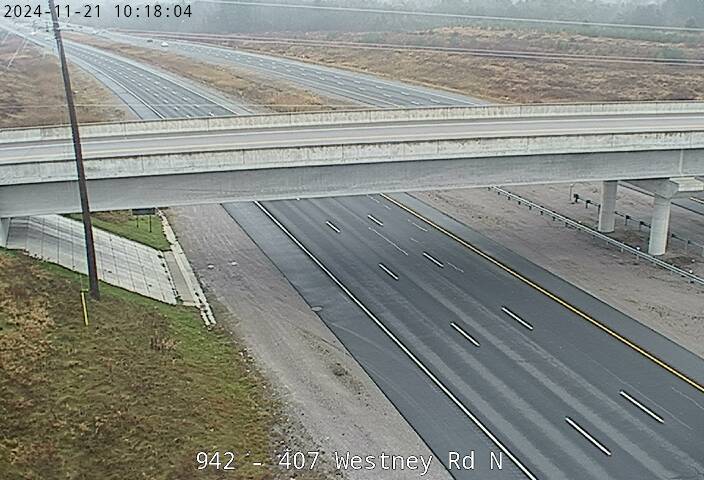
201, 302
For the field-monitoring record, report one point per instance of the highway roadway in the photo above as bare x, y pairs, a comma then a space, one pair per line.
480, 349
694, 204
332, 82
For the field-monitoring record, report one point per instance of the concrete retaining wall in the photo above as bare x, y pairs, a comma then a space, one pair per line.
349, 117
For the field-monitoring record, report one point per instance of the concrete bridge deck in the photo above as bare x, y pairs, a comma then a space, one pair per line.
265, 157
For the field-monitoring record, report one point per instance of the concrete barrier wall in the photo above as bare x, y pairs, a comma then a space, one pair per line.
689, 145
348, 117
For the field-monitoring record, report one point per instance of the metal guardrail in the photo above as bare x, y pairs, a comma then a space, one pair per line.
688, 244
691, 277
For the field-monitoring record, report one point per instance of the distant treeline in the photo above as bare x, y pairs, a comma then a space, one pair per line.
223, 18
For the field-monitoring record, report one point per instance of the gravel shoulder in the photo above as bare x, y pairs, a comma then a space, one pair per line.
331, 403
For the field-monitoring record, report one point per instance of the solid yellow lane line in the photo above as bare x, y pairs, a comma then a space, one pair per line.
553, 297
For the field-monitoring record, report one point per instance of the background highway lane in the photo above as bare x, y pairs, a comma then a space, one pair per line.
433, 438
358, 87
167, 98
150, 93
694, 204
538, 373
355, 133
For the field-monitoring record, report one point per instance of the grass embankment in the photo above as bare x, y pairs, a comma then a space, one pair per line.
32, 90
134, 395
512, 79
132, 227
239, 83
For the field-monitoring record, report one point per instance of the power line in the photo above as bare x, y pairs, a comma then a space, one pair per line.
477, 52
453, 15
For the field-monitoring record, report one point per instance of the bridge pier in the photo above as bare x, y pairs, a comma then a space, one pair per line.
664, 190
4, 231
607, 212
660, 225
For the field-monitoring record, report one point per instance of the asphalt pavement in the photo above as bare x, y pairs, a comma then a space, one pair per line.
475, 346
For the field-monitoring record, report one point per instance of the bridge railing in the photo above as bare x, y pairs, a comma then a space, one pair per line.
152, 127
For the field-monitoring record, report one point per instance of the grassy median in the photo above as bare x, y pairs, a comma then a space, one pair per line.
133, 395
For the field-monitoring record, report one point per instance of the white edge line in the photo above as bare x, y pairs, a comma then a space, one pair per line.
517, 318
405, 349
586, 435
332, 226
464, 333
635, 402
391, 274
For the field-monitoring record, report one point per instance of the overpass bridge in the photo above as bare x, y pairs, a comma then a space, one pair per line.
659, 146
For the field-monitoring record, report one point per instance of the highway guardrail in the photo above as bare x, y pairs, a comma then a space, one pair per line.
691, 277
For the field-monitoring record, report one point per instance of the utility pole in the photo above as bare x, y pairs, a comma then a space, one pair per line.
82, 187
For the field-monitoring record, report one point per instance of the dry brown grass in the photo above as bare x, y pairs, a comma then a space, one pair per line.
134, 395
240, 84
32, 90
513, 80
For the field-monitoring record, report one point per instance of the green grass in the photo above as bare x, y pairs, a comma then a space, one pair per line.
136, 228
134, 395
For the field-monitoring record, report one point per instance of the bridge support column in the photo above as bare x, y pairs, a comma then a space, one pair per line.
660, 225
607, 212
4, 231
